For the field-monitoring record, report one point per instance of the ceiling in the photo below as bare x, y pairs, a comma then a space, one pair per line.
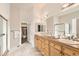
41, 7
39, 10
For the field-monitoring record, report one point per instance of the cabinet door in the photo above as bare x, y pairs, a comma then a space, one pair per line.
68, 51
36, 43
76, 53
54, 52
42, 46
46, 52
46, 41
57, 46
39, 44
45, 47
43, 51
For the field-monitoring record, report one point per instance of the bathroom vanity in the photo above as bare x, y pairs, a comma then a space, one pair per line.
50, 46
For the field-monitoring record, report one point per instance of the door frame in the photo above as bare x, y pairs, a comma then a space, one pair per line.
21, 33
23, 25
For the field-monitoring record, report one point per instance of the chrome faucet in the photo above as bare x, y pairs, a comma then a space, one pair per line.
69, 37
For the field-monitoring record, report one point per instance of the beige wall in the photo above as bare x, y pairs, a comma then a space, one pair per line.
15, 27
4, 10
20, 14
50, 25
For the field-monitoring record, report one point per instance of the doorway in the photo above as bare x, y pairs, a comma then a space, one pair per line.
24, 35
3, 35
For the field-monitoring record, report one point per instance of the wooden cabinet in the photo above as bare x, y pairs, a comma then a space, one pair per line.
38, 43
42, 45
54, 48
46, 47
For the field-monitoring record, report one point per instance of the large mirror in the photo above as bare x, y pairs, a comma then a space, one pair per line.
68, 24
62, 29
40, 27
59, 29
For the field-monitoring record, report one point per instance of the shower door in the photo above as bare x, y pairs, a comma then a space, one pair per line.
3, 35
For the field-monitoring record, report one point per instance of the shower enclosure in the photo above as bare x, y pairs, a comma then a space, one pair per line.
3, 35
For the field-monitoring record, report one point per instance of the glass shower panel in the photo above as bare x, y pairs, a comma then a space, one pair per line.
3, 33
1, 36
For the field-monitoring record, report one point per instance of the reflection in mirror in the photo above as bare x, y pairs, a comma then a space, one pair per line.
59, 30
72, 19
75, 28
40, 27
62, 30
67, 29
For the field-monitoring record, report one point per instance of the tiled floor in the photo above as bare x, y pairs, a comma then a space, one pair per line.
25, 50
